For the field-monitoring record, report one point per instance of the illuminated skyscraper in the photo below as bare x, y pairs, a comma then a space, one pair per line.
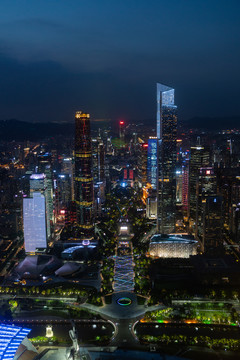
98, 158
34, 221
38, 183
167, 138
185, 181
199, 157
83, 174
45, 167
67, 169
206, 186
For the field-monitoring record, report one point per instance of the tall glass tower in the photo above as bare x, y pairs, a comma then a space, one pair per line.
38, 183
166, 139
83, 174
34, 221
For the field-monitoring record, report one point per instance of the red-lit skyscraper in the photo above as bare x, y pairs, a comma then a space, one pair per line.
83, 174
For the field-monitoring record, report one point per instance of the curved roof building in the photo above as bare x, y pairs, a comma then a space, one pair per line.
69, 268
11, 337
35, 265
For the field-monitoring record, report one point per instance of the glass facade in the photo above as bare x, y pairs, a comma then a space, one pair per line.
199, 157
34, 222
167, 138
165, 246
83, 173
206, 186
212, 223
39, 183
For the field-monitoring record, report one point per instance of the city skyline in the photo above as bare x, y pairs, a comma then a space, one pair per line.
117, 51
119, 180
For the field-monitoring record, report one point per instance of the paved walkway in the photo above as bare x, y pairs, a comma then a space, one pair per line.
124, 265
123, 316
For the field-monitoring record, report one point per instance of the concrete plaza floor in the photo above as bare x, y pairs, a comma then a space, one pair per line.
117, 312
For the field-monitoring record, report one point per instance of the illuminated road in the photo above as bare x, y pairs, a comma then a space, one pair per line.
213, 330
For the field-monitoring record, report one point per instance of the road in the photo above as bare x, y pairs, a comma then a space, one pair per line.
124, 337
213, 331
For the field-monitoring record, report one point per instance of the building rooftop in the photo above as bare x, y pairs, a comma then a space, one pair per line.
10, 339
172, 238
37, 176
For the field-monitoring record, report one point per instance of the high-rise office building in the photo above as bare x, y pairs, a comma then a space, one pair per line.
64, 191
185, 182
34, 222
44, 160
98, 158
38, 183
50, 205
142, 163
83, 174
101, 161
167, 138
152, 162
212, 223
199, 157
44, 167
67, 169
229, 188
179, 185
206, 186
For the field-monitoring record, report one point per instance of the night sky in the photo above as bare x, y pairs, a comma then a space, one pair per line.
105, 57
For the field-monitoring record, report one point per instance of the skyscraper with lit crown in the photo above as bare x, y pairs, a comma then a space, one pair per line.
167, 138
83, 174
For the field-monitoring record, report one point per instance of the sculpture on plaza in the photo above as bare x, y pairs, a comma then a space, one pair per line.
75, 352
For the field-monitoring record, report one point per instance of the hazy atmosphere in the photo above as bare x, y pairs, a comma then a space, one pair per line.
106, 56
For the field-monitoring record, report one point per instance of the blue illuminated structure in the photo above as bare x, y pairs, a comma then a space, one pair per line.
10, 338
75, 248
124, 301
152, 162
69, 252
124, 274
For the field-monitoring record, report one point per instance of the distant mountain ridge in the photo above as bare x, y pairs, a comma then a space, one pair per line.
212, 123
21, 130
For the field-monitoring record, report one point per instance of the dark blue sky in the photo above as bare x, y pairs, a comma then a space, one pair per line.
105, 57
